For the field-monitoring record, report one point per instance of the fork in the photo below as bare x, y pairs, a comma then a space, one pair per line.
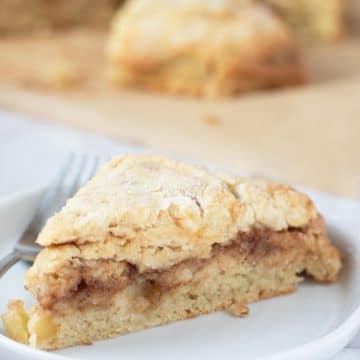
76, 170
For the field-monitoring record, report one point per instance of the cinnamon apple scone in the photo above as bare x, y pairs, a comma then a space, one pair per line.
150, 240
202, 48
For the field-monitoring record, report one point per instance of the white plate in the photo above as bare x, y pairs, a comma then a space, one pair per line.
314, 323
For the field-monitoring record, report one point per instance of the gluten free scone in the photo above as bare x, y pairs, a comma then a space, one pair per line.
202, 48
150, 240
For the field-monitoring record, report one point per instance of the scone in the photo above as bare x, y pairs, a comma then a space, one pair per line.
150, 240
202, 48
312, 19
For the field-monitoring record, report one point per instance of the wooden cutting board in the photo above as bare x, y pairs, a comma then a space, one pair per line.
308, 135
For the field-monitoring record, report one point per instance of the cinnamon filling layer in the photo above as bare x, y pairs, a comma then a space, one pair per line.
81, 279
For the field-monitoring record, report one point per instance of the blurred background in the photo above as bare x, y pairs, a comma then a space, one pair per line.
54, 71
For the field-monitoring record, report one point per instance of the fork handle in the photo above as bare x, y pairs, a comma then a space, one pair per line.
8, 261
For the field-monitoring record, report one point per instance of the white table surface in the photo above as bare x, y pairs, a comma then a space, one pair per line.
33, 136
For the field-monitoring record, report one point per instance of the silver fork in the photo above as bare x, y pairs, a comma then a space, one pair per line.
75, 171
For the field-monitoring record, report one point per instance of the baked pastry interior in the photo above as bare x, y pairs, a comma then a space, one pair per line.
150, 240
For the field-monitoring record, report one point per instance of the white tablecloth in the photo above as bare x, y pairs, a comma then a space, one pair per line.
33, 137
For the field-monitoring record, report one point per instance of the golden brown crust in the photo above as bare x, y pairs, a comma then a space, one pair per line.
202, 48
154, 212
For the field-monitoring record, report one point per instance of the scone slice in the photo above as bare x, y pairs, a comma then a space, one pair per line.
202, 48
149, 241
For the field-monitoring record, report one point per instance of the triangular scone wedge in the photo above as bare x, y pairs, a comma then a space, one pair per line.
150, 240
202, 48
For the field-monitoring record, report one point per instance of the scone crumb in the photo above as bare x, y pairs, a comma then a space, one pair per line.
87, 343
211, 120
238, 309
16, 321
